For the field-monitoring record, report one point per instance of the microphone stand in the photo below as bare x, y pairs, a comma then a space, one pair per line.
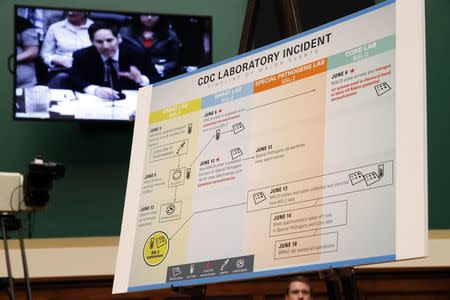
110, 79
110, 65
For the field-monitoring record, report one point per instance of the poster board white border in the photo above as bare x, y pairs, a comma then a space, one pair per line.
410, 134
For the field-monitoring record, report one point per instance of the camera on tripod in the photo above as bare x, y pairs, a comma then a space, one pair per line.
19, 194
29, 193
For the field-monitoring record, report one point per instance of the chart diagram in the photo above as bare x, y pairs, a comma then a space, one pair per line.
271, 163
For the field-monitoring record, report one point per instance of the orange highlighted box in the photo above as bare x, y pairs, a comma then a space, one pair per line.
290, 75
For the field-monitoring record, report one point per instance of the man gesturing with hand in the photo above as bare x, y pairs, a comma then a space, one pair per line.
110, 66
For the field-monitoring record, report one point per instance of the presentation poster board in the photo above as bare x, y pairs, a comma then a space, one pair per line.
307, 154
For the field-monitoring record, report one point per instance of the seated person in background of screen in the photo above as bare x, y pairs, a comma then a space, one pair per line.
108, 66
298, 288
61, 40
153, 34
27, 49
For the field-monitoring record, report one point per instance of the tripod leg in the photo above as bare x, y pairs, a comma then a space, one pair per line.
24, 262
8, 261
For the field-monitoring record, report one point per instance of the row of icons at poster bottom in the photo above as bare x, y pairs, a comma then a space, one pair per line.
210, 268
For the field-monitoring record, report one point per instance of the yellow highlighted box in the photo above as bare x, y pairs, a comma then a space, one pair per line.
175, 111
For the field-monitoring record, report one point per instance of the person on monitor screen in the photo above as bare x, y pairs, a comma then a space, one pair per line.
27, 49
108, 66
154, 35
61, 40
299, 288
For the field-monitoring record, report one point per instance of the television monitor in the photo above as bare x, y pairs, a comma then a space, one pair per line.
66, 71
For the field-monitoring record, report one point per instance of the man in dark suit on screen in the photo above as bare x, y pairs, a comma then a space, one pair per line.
108, 66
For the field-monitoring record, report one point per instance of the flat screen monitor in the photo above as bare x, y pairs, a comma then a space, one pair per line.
87, 65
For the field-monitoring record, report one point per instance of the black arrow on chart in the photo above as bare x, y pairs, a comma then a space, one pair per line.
202, 211
315, 203
179, 156
202, 151
175, 196
287, 98
248, 158
226, 131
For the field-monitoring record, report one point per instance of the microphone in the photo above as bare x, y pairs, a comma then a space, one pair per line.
113, 77
110, 80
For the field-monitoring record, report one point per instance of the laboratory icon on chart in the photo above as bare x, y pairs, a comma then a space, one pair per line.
235, 153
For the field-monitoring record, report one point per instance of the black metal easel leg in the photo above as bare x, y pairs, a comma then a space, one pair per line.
331, 279
24, 262
11, 222
333, 290
196, 293
349, 285
335, 278
8, 261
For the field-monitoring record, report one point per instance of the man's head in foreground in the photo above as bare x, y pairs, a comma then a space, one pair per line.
298, 288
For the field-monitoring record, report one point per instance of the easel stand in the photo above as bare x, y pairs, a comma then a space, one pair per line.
195, 292
11, 222
337, 278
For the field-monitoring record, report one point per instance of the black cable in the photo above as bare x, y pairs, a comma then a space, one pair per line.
22, 202
29, 219
11, 63
31, 225
11, 198
28, 222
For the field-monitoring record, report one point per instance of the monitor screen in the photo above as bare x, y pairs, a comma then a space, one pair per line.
75, 64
